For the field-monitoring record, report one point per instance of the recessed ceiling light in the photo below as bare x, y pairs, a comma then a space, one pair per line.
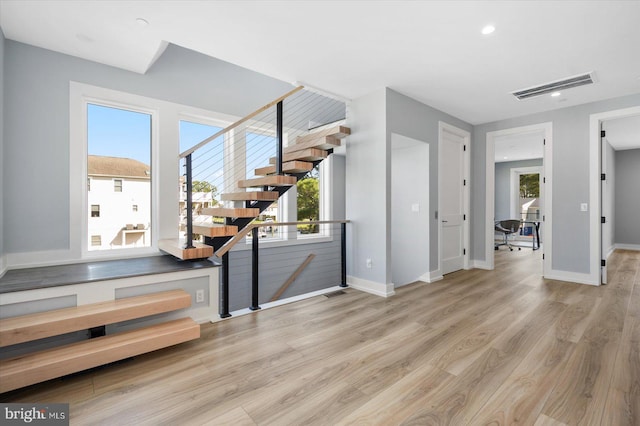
488, 29
556, 94
504, 158
142, 22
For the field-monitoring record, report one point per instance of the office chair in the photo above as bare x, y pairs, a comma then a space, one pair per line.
507, 227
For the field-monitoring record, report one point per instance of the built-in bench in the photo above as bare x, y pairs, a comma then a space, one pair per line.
55, 362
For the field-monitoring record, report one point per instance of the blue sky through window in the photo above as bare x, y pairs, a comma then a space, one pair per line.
118, 133
208, 162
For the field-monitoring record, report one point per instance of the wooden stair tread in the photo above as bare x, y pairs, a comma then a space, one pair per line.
327, 142
309, 154
211, 229
44, 365
288, 167
230, 212
175, 247
273, 180
250, 196
337, 132
30, 327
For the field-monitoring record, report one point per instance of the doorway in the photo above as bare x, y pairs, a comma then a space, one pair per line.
513, 153
614, 151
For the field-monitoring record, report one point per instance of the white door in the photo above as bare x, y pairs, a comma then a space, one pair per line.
452, 201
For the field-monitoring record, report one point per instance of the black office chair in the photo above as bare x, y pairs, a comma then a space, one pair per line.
507, 227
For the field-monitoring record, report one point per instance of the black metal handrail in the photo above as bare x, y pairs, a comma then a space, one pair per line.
253, 229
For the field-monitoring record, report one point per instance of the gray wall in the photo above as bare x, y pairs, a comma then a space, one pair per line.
409, 229
571, 231
367, 188
503, 185
276, 265
3, 166
416, 120
36, 142
627, 198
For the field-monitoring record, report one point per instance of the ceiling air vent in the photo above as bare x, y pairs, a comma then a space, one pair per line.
554, 86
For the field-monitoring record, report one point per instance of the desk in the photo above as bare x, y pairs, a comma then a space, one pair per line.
536, 235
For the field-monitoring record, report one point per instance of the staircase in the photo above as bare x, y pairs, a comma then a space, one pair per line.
254, 195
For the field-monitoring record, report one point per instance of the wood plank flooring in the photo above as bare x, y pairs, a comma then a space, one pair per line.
479, 347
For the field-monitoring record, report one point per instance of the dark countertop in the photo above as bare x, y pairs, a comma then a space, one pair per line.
78, 273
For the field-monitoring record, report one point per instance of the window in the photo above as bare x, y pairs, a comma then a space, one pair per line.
309, 201
135, 207
207, 167
96, 240
118, 161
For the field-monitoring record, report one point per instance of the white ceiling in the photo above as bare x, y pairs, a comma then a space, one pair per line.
429, 50
522, 146
623, 133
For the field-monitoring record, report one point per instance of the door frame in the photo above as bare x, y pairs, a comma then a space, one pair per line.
515, 188
595, 163
466, 197
546, 129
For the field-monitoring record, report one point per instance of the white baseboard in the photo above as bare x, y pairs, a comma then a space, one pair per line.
379, 289
480, 264
247, 311
431, 276
635, 247
574, 277
3, 265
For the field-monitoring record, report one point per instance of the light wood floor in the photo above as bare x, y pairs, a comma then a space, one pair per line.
480, 347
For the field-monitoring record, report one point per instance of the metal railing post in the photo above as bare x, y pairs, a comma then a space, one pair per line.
224, 287
343, 254
254, 270
279, 135
189, 188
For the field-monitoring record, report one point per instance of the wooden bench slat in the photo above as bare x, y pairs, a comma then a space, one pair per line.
37, 367
60, 321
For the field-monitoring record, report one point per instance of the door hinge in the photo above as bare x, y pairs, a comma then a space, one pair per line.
603, 176
464, 147
464, 217
603, 133
603, 219
543, 218
544, 141
603, 262
464, 182
464, 251
544, 180
542, 256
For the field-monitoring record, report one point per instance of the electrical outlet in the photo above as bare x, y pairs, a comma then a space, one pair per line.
199, 296
369, 263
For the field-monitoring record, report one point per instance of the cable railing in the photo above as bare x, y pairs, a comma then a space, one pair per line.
219, 163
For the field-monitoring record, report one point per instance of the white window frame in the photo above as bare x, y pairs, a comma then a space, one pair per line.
81, 95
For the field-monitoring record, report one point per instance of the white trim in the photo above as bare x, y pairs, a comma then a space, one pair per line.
268, 305
514, 177
379, 289
466, 196
635, 247
480, 264
574, 277
547, 130
3, 264
595, 228
431, 277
